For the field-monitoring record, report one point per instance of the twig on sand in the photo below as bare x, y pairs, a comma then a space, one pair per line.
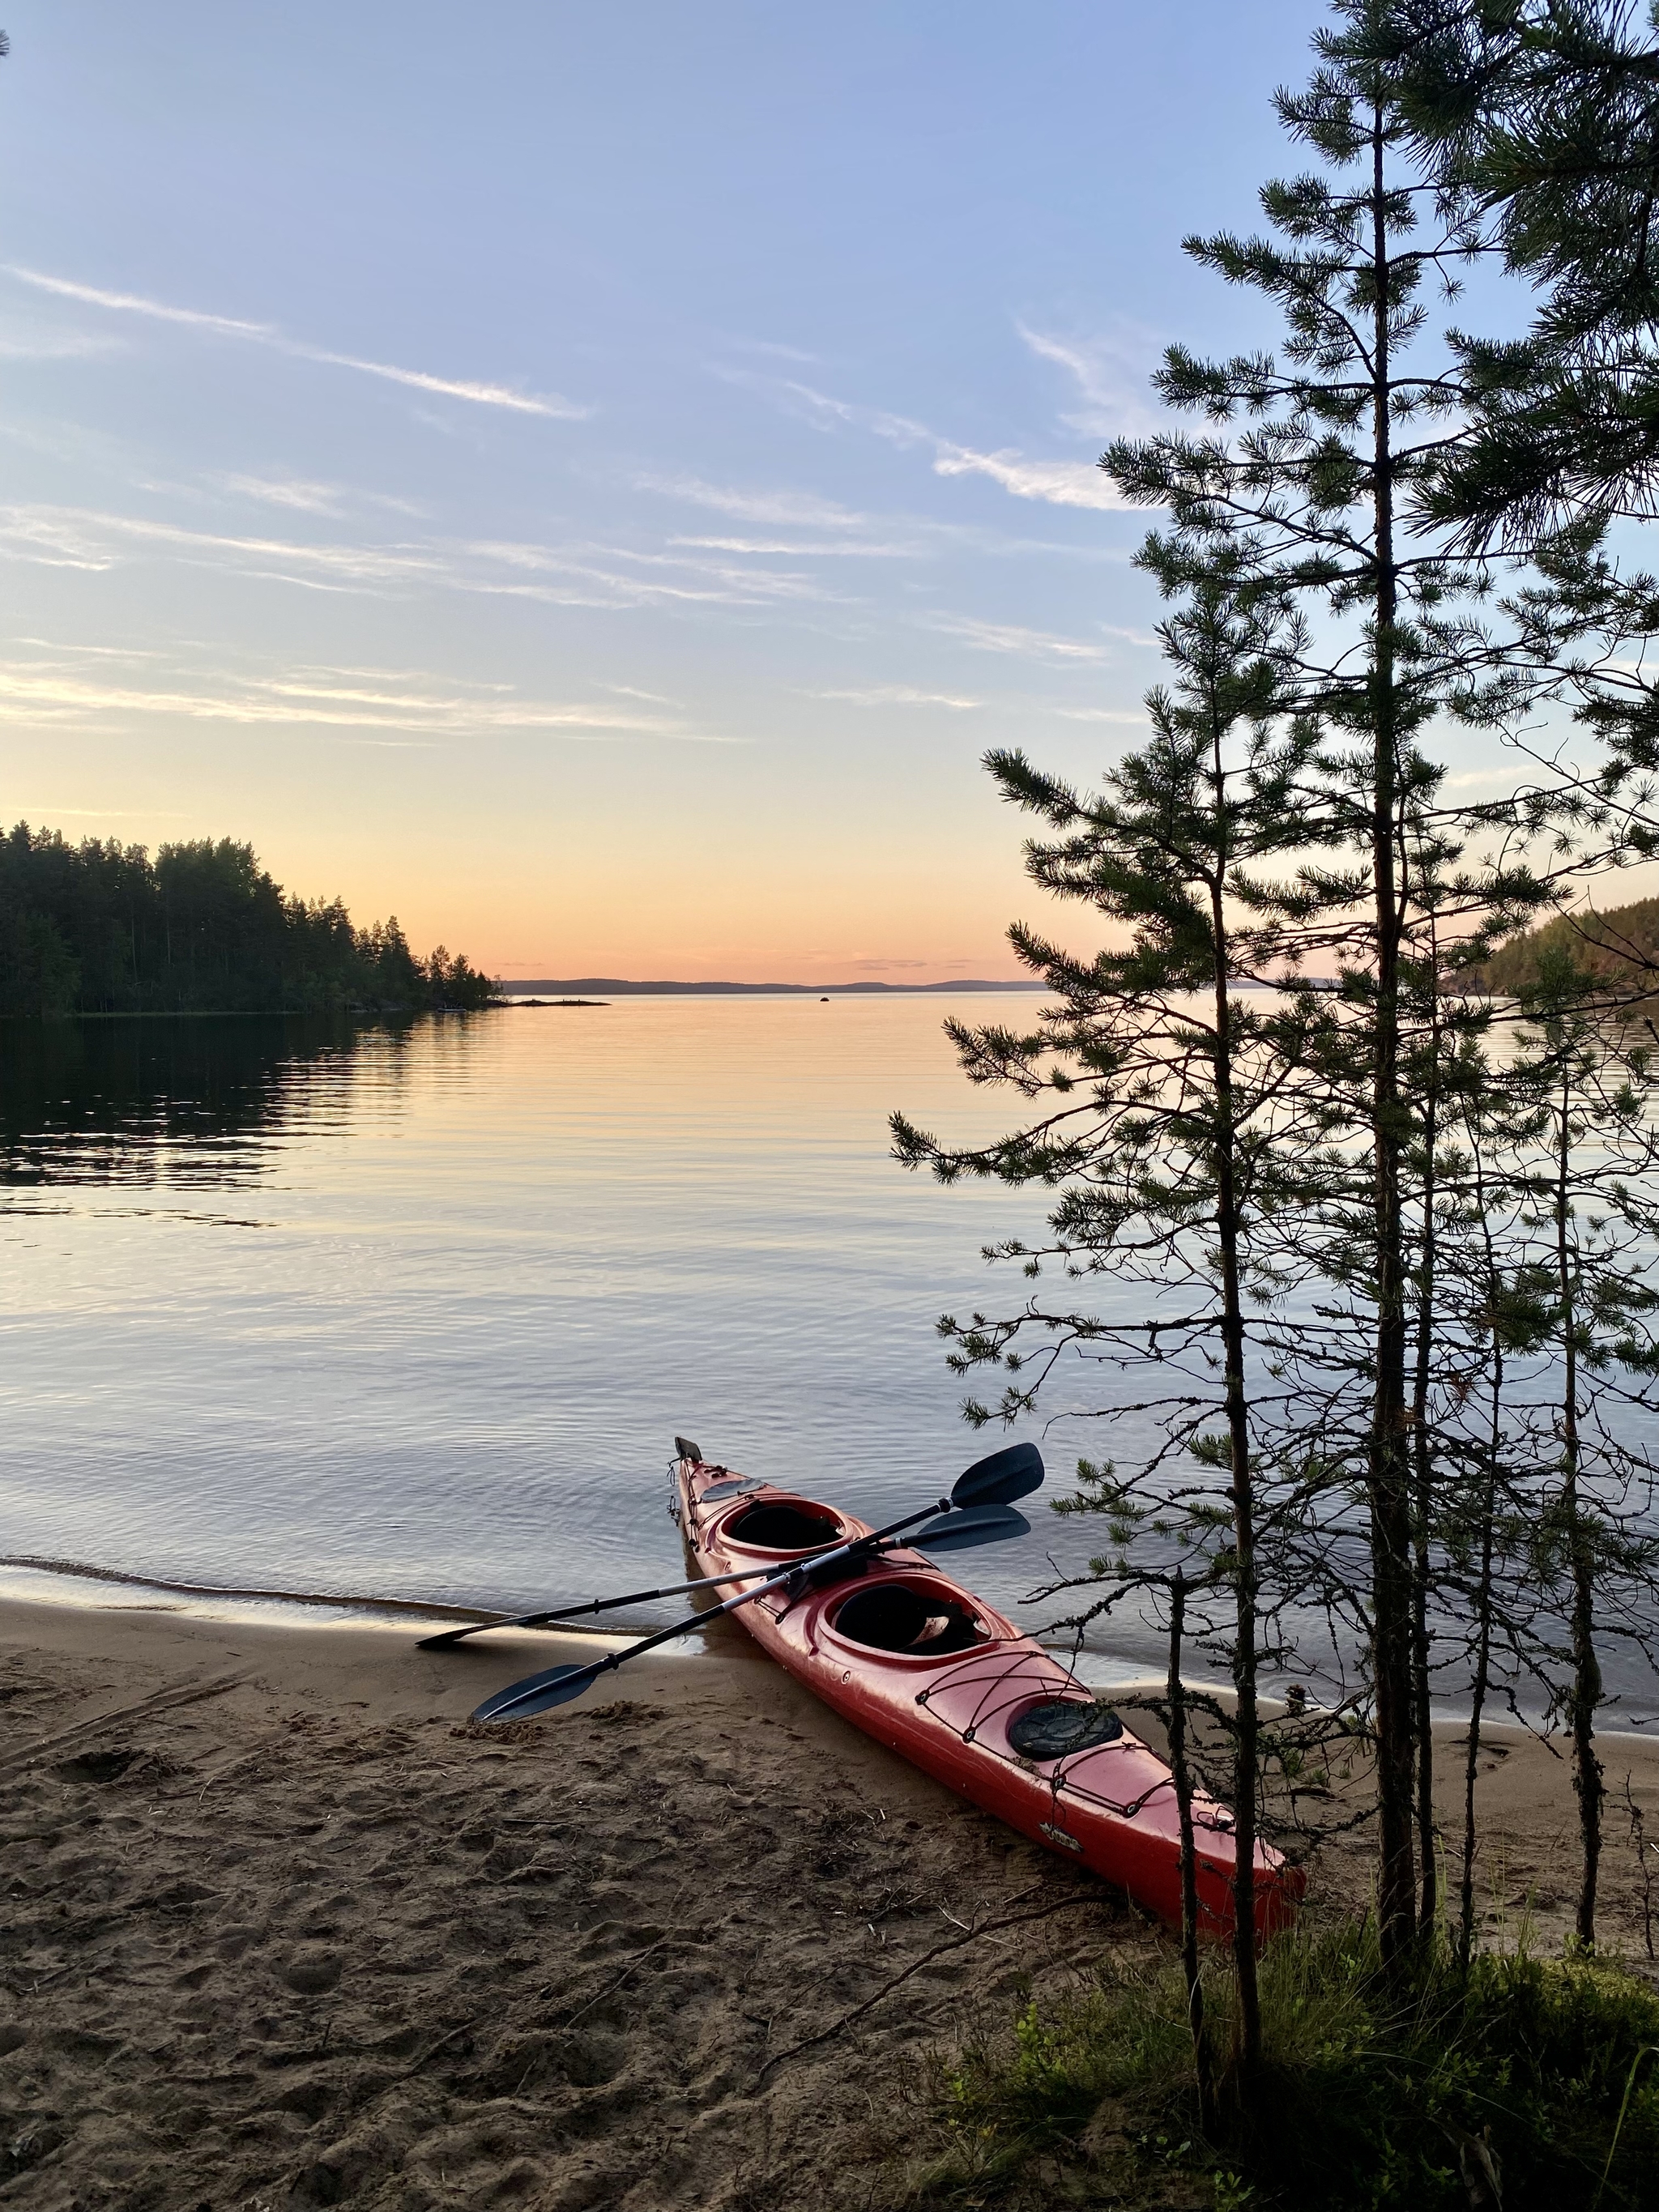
951, 1943
426, 2055
187, 1693
611, 1988
673, 1936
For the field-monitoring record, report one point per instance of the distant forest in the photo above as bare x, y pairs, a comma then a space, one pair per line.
102, 928
1618, 949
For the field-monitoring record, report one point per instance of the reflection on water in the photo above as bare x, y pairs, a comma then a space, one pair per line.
419, 1311
166, 1103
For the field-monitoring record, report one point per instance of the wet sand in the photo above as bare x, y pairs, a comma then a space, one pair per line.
284, 1929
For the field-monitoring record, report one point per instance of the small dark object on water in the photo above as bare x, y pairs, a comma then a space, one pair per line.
823, 1002
559, 1002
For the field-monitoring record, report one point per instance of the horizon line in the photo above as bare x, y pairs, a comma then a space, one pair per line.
517, 986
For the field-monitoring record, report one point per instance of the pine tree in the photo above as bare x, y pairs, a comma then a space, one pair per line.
1545, 112
1317, 491
1310, 502
1168, 1125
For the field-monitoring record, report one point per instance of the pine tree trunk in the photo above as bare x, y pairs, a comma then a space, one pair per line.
1587, 1779
1247, 1721
1423, 1502
1387, 1476
1182, 1773
1482, 1679
1482, 1590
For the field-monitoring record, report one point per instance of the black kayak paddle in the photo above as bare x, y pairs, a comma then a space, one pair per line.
954, 1532
997, 1480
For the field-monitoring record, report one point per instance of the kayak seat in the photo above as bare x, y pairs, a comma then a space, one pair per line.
893, 1617
774, 1527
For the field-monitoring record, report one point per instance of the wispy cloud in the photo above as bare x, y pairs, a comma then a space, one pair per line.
839, 549
77, 538
1009, 637
897, 694
754, 506
579, 575
40, 808
133, 303
98, 652
628, 691
900, 536
777, 352
1058, 484
597, 568
28, 344
52, 691
481, 395
267, 334
1116, 714
1113, 376
305, 498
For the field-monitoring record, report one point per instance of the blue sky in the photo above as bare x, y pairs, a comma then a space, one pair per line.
594, 479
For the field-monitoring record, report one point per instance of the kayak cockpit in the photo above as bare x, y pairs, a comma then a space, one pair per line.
909, 1619
783, 1525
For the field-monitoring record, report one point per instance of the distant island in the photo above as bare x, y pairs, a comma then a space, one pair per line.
616, 988
102, 928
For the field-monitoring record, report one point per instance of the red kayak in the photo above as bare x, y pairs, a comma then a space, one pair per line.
926, 1668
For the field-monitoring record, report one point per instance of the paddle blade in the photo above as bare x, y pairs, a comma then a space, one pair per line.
536, 1694
961, 1532
445, 1638
1013, 1473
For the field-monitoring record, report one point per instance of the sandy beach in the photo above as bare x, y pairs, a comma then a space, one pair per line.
283, 1928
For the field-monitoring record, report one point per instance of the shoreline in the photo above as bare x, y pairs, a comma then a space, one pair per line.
297, 1641
28, 1580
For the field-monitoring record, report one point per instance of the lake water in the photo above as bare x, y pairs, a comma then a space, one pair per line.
416, 1314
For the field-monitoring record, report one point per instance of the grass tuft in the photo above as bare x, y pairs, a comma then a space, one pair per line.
1529, 2084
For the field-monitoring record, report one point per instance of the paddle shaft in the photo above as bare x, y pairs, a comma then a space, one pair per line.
614, 1659
449, 1636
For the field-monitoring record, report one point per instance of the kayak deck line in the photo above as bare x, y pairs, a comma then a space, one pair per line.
1206, 1813
925, 1667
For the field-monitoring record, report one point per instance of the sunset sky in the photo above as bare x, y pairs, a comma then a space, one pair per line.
594, 479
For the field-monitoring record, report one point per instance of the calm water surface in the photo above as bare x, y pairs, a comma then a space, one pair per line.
418, 1314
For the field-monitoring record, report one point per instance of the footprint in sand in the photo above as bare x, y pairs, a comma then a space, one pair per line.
313, 1971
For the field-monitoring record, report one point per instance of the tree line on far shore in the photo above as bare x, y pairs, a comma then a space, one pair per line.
1618, 950
200, 927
